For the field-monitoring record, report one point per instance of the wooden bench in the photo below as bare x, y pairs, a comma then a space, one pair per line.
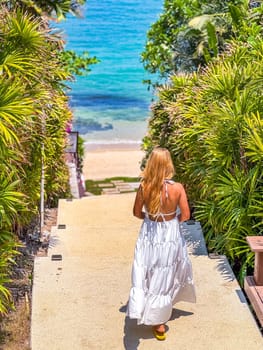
254, 284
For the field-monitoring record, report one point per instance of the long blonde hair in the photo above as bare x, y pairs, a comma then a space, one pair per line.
158, 167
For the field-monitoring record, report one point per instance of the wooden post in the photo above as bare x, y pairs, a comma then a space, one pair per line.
256, 245
253, 285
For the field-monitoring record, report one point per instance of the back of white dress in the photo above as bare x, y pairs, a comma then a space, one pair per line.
161, 272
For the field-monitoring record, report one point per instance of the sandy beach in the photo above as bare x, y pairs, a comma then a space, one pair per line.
109, 160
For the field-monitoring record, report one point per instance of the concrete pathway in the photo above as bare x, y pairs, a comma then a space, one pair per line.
79, 301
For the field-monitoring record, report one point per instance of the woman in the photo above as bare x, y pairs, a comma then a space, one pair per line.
162, 272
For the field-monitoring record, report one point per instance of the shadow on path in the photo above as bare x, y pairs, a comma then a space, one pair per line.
225, 269
133, 333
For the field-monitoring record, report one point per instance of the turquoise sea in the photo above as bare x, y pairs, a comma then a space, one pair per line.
111, 104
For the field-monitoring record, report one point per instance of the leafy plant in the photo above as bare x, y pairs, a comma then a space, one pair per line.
212, 123
189, 34
34, 114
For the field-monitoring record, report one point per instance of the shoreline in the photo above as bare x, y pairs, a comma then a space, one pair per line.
106, 160
112, 146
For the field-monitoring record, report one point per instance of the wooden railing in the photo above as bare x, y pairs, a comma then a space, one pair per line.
254, 284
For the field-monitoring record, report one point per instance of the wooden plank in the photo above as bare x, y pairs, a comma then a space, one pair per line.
255, 243
258, 268
253, 296
259, 290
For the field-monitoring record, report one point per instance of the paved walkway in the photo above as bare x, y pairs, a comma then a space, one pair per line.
79, 301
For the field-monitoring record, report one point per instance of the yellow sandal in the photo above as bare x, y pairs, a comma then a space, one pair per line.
159, 335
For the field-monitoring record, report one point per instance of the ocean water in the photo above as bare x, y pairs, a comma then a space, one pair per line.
111, 104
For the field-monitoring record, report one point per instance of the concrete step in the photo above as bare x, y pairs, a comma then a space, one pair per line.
105, 185
125, 189
110, 191
78, 299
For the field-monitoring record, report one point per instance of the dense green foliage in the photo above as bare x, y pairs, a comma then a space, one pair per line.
189, 33
56, 8
34, 114
212, 123
76, 64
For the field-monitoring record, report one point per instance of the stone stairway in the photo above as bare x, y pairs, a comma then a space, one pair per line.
80, 289
118, 186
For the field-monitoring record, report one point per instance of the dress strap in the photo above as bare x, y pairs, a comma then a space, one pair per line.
160, 214
166, 190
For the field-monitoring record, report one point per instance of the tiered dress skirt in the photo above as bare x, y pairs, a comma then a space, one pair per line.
161, 273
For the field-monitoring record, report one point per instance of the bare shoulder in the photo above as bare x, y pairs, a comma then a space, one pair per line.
175, 185
179, 185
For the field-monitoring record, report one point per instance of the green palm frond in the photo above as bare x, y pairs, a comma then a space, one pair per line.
5, 295
15, 108
254, 140
25, 32
16, 62
11, 201
8, 249
60, 8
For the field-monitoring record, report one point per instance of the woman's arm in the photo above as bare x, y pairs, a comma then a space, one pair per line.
138, 205
183, 205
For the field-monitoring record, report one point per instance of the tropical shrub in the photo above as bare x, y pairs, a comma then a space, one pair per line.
57, 8
10, 203
188, 34
212, 123
34, 114
26, 49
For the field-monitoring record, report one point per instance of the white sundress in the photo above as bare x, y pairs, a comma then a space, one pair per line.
161, 272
